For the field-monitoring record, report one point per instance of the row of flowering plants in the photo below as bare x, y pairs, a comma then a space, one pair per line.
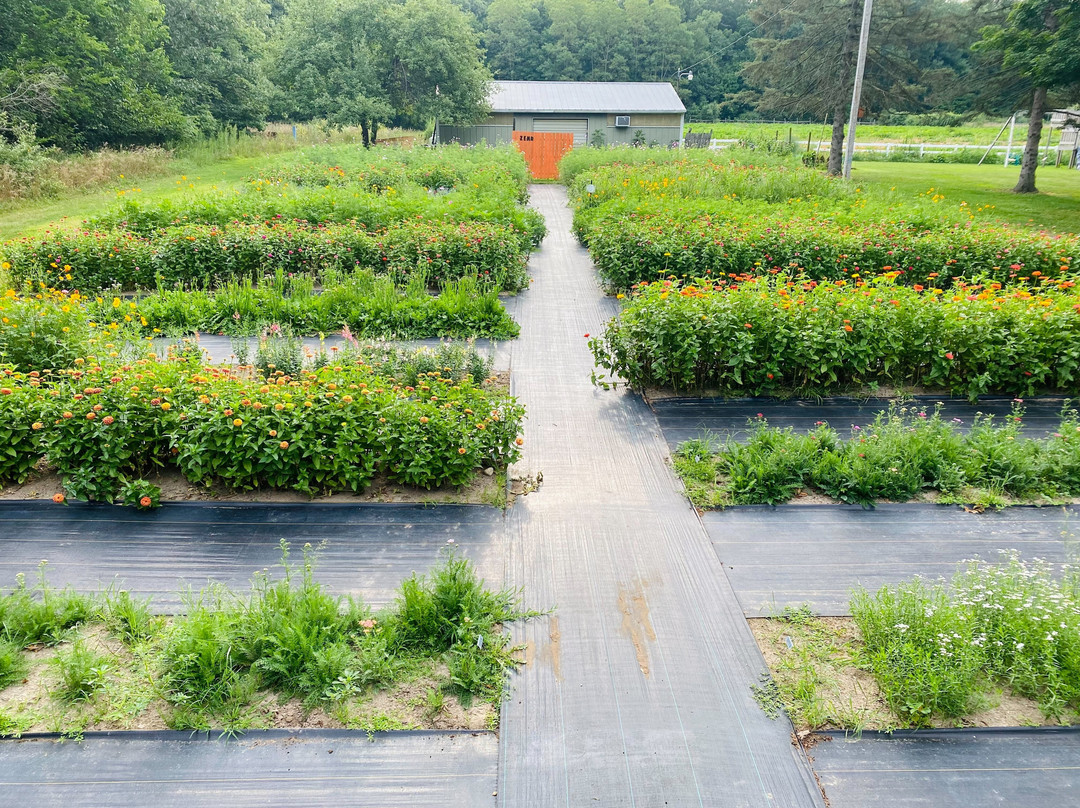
264, 202
651, 245
783, 334
101, 424
207, 255
448, 167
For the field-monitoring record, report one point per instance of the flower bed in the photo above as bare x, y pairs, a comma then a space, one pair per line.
449, 166
260, 203
208, 255
101, 425
778, 334
369, 306
655, 245
1000, 646
905, 453
696, 216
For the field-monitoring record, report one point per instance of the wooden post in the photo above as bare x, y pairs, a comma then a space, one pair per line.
1012, 126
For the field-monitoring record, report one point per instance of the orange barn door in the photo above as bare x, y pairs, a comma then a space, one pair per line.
543, 151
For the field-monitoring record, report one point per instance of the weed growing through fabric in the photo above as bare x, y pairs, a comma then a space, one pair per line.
215, 665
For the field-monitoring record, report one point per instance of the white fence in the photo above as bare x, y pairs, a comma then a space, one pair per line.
888, 148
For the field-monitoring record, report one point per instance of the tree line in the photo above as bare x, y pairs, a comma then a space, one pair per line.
82, 73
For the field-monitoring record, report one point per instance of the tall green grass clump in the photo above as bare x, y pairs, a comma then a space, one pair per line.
292, 637
41, 614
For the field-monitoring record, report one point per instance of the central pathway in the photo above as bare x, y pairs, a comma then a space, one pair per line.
639, 687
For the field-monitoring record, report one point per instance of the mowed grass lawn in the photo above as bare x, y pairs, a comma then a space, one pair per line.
1056, 207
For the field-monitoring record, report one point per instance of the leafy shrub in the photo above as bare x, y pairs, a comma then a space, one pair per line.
761, 336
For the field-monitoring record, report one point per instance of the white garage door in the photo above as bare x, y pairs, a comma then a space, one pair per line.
578, 127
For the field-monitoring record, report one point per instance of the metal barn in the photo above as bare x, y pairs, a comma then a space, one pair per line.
618, 109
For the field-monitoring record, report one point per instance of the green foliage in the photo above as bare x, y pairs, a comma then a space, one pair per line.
1037, 41
654, 244
207, 255
42, 331
904, 452
216, 48
13, 665
292, 637
778, 334
80, 672
40, 614
109, 76
1014, 623
20, 439
370, 62
129, 619
368, 305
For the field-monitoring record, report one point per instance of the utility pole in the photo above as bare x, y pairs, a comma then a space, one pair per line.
856, 95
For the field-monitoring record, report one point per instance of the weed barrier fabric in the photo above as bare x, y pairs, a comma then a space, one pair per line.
795, 554
637, 691
716, 419
220, 349
951, 768
365, 549
270, 767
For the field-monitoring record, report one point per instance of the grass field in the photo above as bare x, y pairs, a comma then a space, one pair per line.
68, 211
1056, 208
976, 135
221, 161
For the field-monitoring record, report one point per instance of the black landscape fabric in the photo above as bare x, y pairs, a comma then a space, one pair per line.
363, 549
683, 419
951, 768
270, 767
814, 554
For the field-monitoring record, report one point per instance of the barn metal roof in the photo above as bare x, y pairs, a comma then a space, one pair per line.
585, 96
